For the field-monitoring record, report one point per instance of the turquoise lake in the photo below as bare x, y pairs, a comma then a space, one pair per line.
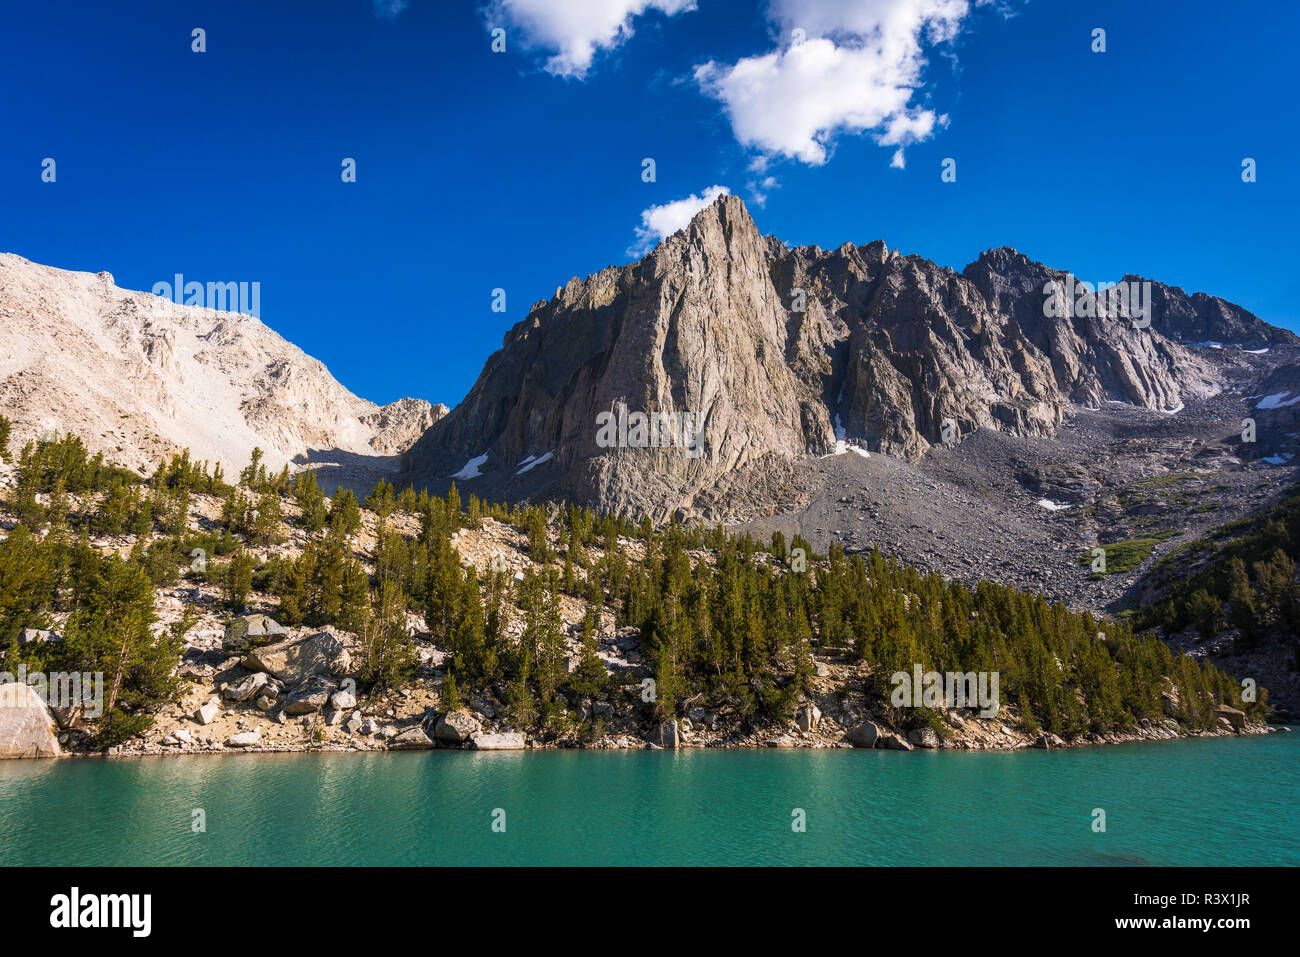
1197, 802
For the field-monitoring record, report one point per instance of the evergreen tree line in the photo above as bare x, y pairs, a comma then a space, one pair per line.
723, 620
1243, 576
109, 602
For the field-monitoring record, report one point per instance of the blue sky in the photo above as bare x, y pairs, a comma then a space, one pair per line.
478, 170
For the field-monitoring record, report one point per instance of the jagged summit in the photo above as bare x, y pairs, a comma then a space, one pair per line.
787, 352
139, 377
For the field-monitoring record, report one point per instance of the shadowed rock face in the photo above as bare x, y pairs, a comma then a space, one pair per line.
885, 348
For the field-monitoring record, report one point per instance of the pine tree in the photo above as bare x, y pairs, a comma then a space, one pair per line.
474, 658
311, 501
113, 634
453, 507
589, 679
234, 511
382, 500
387, 650
345, 514
115, 511
253, 476
449, 696
265, 529
1242, 612
538, 546
237, 580
1206, 612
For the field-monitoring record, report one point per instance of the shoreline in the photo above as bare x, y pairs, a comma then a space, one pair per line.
773, 743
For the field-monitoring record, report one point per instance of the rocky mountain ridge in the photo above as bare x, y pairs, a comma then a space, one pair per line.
782, 353
140, 377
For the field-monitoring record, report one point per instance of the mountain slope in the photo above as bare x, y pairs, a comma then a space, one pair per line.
782, 353
140, 377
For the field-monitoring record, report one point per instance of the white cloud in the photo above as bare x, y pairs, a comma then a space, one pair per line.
575, 29
388, 9
658, 222
854, 69
758, 189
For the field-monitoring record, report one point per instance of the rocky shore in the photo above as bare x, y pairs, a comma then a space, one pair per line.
267, 690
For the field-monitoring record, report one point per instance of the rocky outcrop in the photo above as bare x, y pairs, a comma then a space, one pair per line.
923, 738
309, 697
412, 739
1275, 408
777, 353
295, 660
250, 631
398, 424
863, 735
808, 718
502, 741
246, 688
1234, 717
26, 726
669, 735
456, 727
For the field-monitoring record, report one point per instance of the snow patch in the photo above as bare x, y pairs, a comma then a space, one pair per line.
471, 469
1276, 401
842, 447
1257, 352
534, 462
1051, 506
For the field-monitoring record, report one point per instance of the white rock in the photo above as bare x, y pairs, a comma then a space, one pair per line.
208, 712
26, 725
505, 741
342, 700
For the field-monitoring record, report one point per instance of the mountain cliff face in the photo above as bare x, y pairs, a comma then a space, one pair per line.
780, 353
139, 377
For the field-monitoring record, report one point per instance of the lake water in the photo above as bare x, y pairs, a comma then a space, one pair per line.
1199, 802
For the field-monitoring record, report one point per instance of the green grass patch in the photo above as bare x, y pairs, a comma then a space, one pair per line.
1126, 555
1171, 479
